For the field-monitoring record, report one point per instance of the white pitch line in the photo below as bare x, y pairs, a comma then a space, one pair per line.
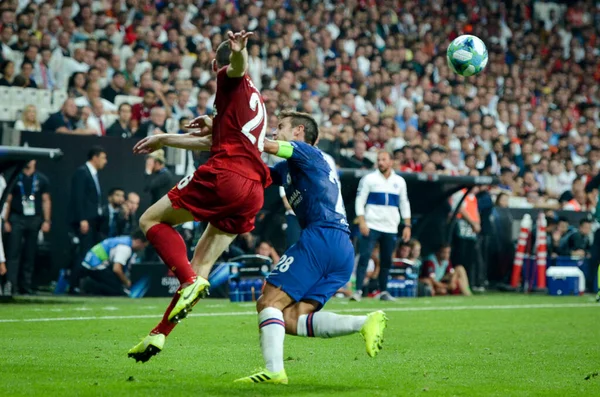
357, 309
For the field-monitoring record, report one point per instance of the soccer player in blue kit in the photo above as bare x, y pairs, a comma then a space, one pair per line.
321, 262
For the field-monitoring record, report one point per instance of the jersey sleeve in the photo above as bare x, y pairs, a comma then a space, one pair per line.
121, 254
302, 153
226, 83
278, 173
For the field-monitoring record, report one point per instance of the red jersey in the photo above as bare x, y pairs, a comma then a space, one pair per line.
140, 112
239, 128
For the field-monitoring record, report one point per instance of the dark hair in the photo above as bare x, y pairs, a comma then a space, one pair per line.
124, 104
149, 90
563, 219
223, 54
138, 235
311, 129
584, 220
114, 190
443, 246
26, 63
95, 151
5, 64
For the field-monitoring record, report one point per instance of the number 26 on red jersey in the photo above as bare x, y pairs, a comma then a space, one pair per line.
256, 121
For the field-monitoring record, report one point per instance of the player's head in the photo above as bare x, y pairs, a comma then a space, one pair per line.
222, 56
138, 240
296, 126
384, 161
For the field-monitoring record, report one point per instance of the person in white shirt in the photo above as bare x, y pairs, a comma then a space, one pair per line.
380, 200
97, 119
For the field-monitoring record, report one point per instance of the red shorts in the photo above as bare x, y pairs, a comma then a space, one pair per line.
225, 199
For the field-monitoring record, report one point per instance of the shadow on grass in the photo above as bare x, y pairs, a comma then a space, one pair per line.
232, 390
33, 300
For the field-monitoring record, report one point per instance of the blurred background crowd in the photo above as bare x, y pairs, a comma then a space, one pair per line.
373, 74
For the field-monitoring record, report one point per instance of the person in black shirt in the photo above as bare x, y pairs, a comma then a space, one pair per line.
358, 159
122, 127
579, 243
116, 87
8, 74
26, 73
28, 211
160, 179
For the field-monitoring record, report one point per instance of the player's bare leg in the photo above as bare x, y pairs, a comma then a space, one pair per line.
209, 248
462, 281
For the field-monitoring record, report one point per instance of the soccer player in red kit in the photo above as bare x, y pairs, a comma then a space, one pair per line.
227, 191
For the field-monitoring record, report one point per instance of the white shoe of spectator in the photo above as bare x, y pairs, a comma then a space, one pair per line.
357, 296
385, 296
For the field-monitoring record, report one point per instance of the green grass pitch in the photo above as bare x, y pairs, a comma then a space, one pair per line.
495, 345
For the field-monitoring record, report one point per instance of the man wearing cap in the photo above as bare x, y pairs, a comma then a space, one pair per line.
159, 178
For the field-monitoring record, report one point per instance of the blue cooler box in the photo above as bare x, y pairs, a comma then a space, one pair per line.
565, 281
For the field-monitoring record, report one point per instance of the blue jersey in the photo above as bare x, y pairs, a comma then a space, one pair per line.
312, 187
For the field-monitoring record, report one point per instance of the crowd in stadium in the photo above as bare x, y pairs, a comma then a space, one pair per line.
372, 73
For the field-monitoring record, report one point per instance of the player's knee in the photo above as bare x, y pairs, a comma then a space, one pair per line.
147, 220
268, 300
290, 316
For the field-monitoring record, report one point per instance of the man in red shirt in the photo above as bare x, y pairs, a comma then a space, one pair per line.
140, 112
227, 191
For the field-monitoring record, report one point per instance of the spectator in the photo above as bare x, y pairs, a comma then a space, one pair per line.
43, 74
64, 121
380, 200
141, 111
106, 266
111, 222
578, 243
29, 120
97, 119
443, 279
181, 107
156, 124
25, 76
76, 85
201, 107
116, 87
159, 178
266, 249
93, 92
358, 159
128, 213
8, 74
122, 126
28, 210
86, 207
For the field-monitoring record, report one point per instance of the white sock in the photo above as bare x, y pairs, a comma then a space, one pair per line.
272, 334
329, 325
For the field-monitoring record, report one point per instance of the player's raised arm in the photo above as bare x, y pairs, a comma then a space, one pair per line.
238, 60
189, 141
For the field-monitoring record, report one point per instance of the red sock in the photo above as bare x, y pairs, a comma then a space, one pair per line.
165, 326
171, 248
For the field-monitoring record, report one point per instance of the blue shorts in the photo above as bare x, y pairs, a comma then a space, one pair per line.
316, 267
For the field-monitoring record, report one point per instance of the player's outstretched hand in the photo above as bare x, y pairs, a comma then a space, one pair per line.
238, 41
148, 145
200, 122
